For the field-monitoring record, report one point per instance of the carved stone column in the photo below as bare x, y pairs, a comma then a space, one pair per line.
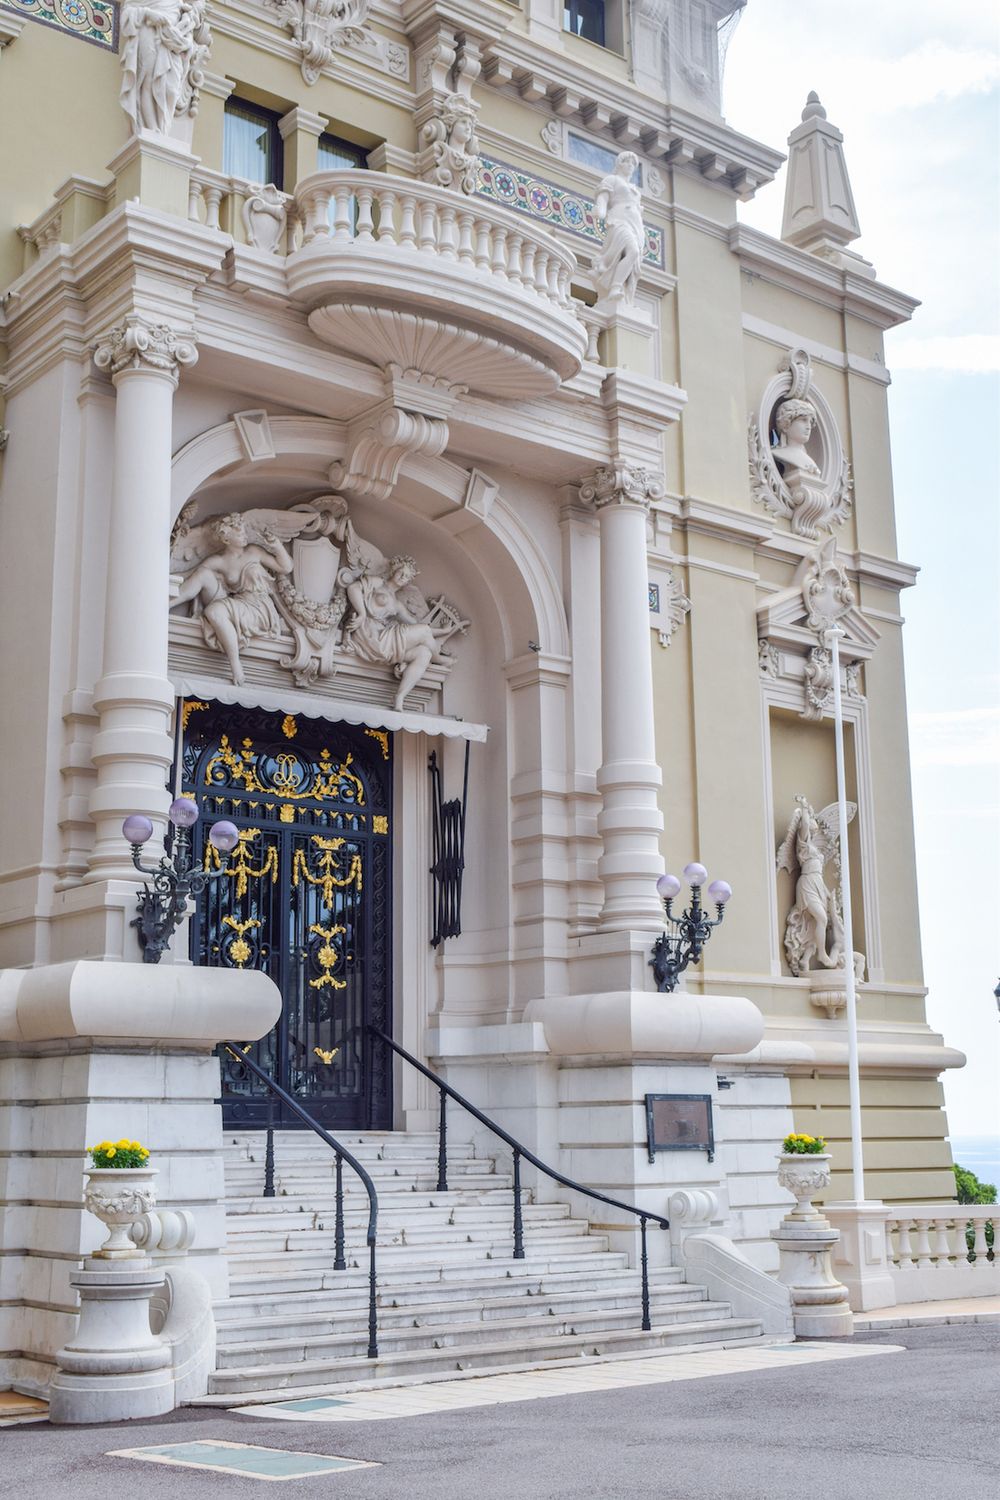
132, 749
630, 822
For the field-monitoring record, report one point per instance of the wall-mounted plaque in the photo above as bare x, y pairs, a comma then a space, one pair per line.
679, 1122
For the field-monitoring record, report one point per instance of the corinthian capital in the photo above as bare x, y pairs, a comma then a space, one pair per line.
622, 484
138, 345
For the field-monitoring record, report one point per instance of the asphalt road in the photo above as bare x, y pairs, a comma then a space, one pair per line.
922, 1423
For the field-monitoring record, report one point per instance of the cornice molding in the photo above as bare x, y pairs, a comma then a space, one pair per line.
820, 280
786, 338
621, 113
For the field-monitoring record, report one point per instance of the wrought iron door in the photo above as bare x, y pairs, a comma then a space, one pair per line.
307, 899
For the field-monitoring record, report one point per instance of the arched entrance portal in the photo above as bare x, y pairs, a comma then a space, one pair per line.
306, 898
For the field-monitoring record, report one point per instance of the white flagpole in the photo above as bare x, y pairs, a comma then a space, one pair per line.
853, 1074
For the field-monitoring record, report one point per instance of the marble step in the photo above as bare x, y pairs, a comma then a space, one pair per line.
493, 1252
262, 1380
493, 1230
349, 1289
396, 1339
356, 1200
398, 1213
248, 1177
667, 1305
282, 1279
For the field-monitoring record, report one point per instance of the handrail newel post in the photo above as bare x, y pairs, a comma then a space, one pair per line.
442, 1185
646, 1324
339, 1263
269, 1149
518, 1221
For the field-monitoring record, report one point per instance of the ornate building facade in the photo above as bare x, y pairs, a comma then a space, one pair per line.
394, 381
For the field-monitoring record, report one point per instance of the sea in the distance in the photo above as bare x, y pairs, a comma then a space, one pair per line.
980, 1154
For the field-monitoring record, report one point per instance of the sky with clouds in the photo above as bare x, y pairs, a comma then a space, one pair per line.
915, 87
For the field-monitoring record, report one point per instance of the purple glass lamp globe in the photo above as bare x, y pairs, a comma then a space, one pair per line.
224, 835
183, 812
695, 874
667, 887
137, 828
720, 891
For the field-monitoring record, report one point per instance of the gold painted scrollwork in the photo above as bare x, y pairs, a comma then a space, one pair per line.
239, 949
240, 866
382, 737
328, 874
327, 957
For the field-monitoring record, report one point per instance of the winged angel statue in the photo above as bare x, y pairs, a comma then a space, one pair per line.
255, 574
814, 932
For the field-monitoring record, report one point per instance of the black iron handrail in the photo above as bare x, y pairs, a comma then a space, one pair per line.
447, 1092
342, 1154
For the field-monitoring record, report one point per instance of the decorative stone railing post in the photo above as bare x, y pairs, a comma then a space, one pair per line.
132, 749
630, 822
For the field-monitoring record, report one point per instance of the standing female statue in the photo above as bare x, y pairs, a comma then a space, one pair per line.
390, 624
619, 204
163, 44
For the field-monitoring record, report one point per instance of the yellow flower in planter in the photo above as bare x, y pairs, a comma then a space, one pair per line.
110, 1151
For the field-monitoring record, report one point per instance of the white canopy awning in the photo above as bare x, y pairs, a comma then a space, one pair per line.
336, 710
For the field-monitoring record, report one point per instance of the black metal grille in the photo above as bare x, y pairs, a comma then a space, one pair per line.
307, 899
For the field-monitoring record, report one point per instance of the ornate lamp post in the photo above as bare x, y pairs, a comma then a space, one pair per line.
687, 933
162, 909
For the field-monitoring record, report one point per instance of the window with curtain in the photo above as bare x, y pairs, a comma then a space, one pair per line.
251, 143
334, 153
585, 18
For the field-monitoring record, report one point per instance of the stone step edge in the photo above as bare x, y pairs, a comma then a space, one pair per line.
456, 1352
704, 1312
395, 1382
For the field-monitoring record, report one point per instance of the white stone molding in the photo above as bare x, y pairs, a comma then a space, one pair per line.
164, 45
254, 428
377, 445
821, 353
553, 134
137, 344
819, 212
10, 29
814, 930
803, 476
845, 287
320, 28
669, 606
265, 218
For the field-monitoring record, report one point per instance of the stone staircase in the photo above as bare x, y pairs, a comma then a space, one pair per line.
451, 1298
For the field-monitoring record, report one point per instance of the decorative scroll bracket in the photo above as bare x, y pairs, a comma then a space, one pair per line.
449, 853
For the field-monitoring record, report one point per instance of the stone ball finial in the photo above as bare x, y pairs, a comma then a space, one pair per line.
813, 110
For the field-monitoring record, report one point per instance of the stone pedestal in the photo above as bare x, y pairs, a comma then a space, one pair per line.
861, 1257
820, 1306
114, 1367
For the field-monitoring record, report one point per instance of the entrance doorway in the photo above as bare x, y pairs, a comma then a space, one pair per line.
306, 898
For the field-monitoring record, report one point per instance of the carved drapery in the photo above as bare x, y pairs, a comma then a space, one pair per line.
814, 930
164, 46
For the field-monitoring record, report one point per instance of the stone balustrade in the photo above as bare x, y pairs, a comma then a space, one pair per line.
365, 207
486, 293
217, 201
930, 1255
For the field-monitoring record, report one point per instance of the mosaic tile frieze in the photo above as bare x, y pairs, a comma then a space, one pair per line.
91, 20
552, 205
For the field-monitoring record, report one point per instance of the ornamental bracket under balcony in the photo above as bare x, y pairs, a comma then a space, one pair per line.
418, 278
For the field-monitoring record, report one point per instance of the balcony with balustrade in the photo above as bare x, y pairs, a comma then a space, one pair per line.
419, 277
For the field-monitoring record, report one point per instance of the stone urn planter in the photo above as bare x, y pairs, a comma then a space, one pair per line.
118, 1196
803, 1175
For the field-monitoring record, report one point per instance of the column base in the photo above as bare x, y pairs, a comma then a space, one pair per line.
819, 1302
